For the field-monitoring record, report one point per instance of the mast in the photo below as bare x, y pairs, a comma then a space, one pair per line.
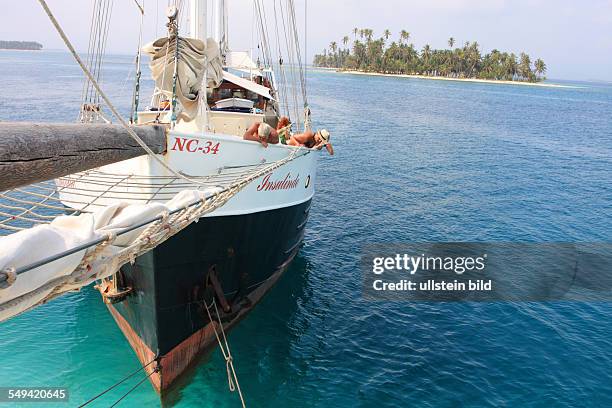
197, 29
197, 19
223, 40
219, 28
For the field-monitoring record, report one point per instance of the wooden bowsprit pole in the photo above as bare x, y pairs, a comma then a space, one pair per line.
34, 152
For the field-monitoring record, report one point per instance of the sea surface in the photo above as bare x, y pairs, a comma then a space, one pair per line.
416, 161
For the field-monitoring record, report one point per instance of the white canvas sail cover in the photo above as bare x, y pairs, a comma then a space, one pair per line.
241, 61
192, 57
247, 84
66, 232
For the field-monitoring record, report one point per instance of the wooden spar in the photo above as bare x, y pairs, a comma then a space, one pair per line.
34, 152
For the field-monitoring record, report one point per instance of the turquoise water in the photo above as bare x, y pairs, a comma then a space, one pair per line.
416, 161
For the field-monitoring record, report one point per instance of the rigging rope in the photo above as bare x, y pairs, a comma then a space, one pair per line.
156, 229
96, 263
232, 377
155, 370
205, 206
100, 23
18, 207
291, 53
305, 47
121, 382
283, 90
110, 105
102, 47
296, 37
136, 96
92, 35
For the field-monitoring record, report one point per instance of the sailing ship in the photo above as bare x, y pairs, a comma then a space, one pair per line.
206, 96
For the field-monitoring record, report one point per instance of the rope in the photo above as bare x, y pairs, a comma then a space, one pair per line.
141, 8
296, 38
291, 53
121, 382
305, 51
112, 108
102, 46
100, 24
232, 378
136, 96
10, 277
283, 77
40, 203
93, 29
98, 263
135, 386
173, 34
84, 273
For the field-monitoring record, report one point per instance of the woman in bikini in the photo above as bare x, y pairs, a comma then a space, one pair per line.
284, 130
312, 140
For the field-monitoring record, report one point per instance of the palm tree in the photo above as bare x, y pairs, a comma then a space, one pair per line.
355, 31
333, 47
540, 67
426, 55
512, 65
525, 66
345, 40
368, 33
472, 57
387, 34
451, 42
404, 36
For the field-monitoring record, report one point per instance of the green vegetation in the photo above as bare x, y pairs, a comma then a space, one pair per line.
20, 45
401, 57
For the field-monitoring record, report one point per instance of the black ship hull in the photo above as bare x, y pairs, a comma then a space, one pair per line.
234, 260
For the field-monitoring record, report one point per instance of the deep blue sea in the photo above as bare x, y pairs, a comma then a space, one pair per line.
416, 161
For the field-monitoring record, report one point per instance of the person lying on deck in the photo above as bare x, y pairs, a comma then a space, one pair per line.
312, 140
262, 133
283, 129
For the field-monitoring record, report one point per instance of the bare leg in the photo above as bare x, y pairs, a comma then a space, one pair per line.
251, 133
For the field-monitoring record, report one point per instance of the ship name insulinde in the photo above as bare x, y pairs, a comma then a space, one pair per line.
285, 184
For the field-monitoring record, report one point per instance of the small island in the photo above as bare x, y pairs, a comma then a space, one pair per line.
20, 45
379, 56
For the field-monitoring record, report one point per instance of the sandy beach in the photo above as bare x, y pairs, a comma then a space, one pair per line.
485, 81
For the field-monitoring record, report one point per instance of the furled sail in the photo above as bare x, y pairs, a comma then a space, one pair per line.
193, 58
241, 61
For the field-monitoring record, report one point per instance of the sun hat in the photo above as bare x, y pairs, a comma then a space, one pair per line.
324, 135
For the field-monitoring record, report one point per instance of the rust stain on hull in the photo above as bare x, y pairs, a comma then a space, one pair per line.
179, 359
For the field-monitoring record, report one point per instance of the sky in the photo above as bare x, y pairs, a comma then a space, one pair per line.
573, 37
